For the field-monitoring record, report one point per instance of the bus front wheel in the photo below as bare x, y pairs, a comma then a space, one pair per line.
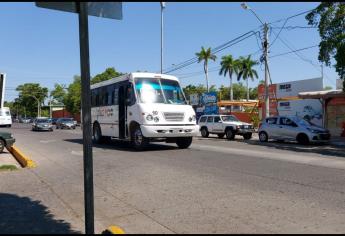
184, 142
138, 140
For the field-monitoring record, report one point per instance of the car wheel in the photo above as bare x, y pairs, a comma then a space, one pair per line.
204, 132
138, 140
220, 135
184, 142
263, 137
230, 135
97, 134
2, 145
302, 139
247, 136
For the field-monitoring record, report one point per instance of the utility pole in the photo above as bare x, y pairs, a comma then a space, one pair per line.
162, 8
322, 73
265, 48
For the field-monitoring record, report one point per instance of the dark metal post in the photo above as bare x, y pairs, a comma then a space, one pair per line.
86, 116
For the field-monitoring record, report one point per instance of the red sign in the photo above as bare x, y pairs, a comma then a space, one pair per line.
271, 91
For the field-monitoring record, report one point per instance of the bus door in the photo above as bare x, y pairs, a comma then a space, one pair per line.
122, 111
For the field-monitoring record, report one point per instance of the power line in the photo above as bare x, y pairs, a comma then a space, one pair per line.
215, 50
302, 58
286, 20
285, 53
290, 27
298, 14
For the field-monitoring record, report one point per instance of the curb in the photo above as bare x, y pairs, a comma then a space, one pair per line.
113, 230
23, 160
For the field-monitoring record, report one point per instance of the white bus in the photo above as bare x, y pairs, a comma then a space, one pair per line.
142, 107
5, 117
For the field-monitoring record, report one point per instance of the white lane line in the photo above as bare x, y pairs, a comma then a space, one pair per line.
330, 162
80, 153
47, 141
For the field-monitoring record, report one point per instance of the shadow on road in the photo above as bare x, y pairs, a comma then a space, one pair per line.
124, 146
320, 148
21, 215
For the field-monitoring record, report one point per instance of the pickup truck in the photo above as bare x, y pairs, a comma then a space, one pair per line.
224, 125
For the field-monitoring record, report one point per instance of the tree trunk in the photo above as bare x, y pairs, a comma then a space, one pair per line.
247, 90
206, 73
231, 90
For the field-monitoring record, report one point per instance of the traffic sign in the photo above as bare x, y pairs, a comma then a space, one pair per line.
111, 10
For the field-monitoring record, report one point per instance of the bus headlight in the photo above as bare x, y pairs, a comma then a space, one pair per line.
156, 119
192, 118
149, 117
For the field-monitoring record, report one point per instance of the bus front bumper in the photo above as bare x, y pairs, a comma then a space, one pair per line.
156, 131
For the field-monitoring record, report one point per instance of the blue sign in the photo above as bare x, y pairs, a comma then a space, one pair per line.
209, 100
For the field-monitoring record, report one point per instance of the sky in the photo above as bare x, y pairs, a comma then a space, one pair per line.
39, 45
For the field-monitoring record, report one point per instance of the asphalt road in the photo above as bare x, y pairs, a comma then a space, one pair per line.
216, 186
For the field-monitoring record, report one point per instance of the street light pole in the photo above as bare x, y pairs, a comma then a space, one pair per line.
265, 54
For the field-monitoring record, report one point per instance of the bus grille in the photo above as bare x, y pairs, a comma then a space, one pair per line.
173, 116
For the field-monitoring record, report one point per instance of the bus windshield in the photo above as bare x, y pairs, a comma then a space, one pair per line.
152, 90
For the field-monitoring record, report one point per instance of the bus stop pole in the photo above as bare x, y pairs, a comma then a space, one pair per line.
86, 117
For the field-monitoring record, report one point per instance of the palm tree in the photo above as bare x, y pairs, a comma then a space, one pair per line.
247, 72
228, 66
205, 55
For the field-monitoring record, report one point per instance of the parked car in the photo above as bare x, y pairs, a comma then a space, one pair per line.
287, 128
42, 124
65, 123
53, 120
25, 120
6, 140
227, 125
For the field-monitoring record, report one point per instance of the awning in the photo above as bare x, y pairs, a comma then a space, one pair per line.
322, 94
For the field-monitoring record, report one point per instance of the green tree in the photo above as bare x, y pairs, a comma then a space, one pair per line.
329, 17
247, 72
205, 55
228, 66
109, 73
72, 100
32, 96
192, 89
253, 93
239, 92
327, 88
58, 93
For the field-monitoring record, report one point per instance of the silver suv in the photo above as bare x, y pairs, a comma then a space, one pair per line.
291, 128
222, 125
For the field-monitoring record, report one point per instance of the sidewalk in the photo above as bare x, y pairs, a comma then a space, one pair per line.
338, 141
6, 158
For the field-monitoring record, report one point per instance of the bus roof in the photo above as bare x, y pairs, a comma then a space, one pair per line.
131, 76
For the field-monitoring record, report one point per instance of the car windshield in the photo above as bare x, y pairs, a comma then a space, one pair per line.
42, 121
229, 118
152, 90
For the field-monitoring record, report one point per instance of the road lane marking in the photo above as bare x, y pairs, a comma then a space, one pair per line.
330, 162
48, 141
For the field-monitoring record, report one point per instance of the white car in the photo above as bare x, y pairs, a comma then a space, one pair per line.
291, 128
222, 125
